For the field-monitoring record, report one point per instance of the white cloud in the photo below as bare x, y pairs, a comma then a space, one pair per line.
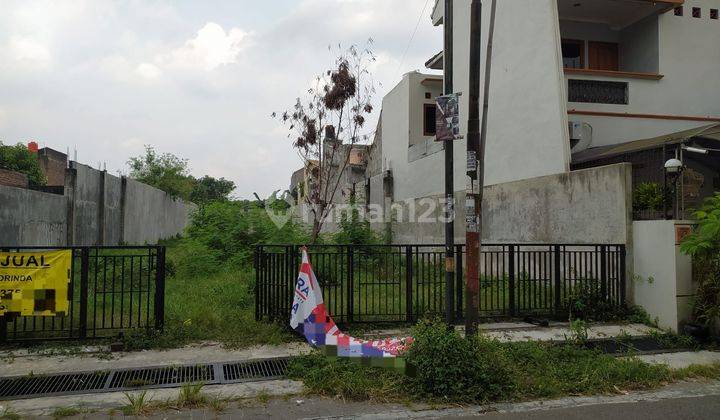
148, 71
210, 49
193, 80
30, 50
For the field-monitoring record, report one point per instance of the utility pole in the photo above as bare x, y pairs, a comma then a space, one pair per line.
449, 174
476, 160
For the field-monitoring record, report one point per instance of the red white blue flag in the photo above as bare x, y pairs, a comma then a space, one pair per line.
310, 318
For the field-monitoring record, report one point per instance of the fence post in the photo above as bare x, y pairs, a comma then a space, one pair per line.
256, 266
160, 289
603, 272
84, 273
3, 329
557, 280
351, 286
622, 274
459, 277
408, 284
511, 278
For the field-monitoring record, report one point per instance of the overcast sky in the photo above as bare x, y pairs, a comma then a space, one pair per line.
195, 78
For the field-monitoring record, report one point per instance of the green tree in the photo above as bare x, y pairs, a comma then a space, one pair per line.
208, 189
166, 172
18, 158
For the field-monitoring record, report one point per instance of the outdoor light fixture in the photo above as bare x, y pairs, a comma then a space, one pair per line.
673, 166
696, 150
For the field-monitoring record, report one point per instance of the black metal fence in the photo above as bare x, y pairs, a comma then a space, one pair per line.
403, 283
112, 289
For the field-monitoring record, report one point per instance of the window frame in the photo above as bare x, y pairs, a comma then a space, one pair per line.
583, 50
426, 106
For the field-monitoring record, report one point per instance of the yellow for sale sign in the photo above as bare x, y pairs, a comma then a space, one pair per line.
35, 283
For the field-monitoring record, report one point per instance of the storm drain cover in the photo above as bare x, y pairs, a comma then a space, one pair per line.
52, 384
250, 371
141, 378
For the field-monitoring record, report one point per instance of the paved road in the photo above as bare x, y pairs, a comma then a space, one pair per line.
699, 408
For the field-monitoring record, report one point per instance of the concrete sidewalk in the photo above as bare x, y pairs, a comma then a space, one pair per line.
23, 362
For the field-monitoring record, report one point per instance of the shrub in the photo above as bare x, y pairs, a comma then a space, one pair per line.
649, 196
587, 302
445, 365
354, 229
342, 378
233, 228
704, 246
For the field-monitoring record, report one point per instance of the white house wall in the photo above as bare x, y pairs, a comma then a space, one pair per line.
527, 122
402, 122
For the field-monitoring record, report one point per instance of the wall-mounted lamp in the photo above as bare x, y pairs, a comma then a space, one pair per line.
673, 166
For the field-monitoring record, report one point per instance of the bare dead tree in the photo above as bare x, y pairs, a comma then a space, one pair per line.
325, 125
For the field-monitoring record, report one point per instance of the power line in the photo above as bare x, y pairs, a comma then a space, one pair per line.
412, 37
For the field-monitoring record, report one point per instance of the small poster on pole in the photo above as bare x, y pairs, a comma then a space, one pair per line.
447, 118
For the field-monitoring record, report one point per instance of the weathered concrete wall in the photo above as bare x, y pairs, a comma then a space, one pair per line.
151, 214
112, 222
591, 206
32, 218
662, 283
97, 209
584, 207
84, 188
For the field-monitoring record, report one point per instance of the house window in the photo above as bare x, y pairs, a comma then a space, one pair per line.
679, 11
573, 52
428, 95
714, 14
603, 56
598, 92
697, 12
429, 111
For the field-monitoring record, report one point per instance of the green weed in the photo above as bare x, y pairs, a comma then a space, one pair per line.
61, 412
191, 395
138, 404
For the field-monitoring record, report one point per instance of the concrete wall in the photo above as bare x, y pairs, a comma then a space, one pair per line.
592, 206
151, 214
662, 282
97, 209
32, 218
84, 187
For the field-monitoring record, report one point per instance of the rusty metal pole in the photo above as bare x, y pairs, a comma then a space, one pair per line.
449, 174
476, 160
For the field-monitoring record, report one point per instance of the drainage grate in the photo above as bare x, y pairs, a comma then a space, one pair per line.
169, 375
51, 384
142, 378
249, 371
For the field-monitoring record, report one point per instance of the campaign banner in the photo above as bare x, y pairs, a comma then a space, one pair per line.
447, 118
310, 318
35, 283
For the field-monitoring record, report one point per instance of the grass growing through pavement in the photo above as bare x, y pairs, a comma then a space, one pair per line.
452, 370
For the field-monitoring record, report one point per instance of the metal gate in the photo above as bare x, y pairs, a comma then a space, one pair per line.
112, 289
403, 283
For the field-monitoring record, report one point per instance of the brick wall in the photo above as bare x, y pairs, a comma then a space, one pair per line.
53, 164
13, 179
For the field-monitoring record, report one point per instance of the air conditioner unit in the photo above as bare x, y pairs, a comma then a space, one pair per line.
580, 136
